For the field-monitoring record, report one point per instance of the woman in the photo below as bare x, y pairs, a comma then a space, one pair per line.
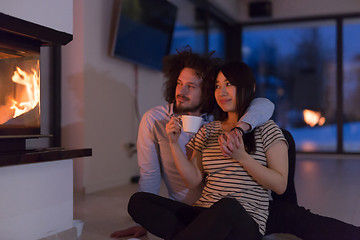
238, 173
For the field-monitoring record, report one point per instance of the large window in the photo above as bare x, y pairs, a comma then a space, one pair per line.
351, 87
201, 27
189, 30
296, 68
217, 39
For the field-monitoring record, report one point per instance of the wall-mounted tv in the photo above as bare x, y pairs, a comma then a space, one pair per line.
144, 31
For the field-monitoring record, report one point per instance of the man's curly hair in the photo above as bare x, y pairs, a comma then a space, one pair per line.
205, 67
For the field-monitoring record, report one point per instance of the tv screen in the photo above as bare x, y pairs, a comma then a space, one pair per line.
144, 31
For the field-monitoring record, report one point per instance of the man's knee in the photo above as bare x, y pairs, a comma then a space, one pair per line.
135, 201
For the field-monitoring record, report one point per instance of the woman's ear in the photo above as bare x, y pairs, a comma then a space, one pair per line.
254, 87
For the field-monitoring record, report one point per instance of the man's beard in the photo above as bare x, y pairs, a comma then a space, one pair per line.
188, 109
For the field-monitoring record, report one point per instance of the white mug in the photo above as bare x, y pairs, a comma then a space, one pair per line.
191, 123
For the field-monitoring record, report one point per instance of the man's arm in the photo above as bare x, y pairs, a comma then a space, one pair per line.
259, 111
148, 156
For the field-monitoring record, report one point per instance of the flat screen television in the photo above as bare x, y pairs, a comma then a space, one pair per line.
143, 31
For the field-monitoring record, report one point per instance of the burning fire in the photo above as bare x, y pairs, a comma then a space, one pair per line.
312, 118
30, 96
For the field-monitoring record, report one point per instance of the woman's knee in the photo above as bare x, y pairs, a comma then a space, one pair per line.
228, 207
228, 203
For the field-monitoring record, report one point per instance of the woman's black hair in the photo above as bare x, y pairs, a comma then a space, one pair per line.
242, 77
205, 67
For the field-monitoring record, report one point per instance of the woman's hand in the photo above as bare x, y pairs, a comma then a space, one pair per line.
238, 152
224, 147
232, 145
173, 129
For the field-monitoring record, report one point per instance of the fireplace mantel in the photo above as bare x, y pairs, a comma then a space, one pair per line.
42, 155
34, 32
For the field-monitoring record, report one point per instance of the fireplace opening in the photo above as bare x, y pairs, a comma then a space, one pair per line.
19, 91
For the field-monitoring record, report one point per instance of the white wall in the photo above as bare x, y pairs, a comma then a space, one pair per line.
231, 7
303, 8
49, 13
36, 200
99, 99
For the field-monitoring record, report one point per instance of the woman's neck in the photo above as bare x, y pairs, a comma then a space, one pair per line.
230, 122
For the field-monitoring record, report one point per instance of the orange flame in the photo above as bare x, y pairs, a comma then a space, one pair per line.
30, 97
312, 118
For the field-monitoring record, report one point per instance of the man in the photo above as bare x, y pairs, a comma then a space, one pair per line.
188, 90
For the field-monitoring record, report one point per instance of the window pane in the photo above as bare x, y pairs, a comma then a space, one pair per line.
217, 39
351, 87
295, 68
186, 35
189, 30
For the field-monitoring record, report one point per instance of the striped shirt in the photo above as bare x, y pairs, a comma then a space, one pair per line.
224, 175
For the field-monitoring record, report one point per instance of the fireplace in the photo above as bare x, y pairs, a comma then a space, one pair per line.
30, 95
30, 111
21, 83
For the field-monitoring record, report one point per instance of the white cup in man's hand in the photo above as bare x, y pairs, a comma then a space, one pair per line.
191, 123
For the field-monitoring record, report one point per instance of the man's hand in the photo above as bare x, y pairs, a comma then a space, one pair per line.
173, 129
135, 231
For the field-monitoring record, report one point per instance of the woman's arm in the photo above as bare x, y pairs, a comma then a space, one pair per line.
274, 176
190, 168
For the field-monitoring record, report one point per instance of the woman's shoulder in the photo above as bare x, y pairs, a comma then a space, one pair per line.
212, 124
267, 124
268, 128
210, 127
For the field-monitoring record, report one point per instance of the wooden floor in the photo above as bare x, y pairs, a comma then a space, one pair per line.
327, 185
330, 186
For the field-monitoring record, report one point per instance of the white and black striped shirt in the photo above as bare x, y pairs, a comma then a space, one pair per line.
226, 178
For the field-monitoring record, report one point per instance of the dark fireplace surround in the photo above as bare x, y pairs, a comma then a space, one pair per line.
20, 39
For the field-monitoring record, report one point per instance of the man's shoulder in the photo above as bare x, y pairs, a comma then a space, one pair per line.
158, 109
156, 113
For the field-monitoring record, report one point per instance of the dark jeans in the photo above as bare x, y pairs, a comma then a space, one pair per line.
285, 217
169, 219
